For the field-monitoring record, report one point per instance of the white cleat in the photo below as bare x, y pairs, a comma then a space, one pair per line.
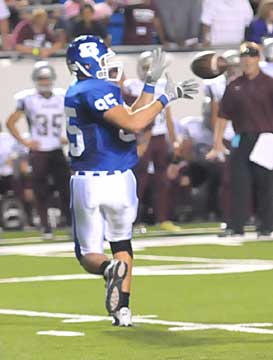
122, 317
47, 235
114, 275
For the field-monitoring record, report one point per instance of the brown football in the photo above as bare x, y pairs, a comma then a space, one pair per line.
208, 65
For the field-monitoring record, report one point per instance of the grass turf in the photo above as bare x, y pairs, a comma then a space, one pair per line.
222, 298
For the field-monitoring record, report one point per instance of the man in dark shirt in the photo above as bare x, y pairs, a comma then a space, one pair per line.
87, 26
248, 103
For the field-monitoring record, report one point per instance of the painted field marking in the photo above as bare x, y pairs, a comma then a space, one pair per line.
54, 249
60, 333
193, 266
173, 326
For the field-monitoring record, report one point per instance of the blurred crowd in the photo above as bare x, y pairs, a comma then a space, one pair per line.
41, 28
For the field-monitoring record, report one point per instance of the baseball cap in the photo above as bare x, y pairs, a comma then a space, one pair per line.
249, 49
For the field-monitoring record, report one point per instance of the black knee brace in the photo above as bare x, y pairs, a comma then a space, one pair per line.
124, 245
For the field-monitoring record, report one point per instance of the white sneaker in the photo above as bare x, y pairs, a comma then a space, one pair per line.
122, 317
114, 275
47, 235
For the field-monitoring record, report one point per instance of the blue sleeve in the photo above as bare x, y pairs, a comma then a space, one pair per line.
257, 29
104, 98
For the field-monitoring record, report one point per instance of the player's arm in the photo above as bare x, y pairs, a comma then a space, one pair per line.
219, 150
143, 141
144, 99
135, 121
158, 66
138, 120
214, 113
12, 126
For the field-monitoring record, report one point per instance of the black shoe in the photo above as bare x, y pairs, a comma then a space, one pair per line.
231, 233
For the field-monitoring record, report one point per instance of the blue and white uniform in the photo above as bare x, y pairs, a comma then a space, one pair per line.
103, 188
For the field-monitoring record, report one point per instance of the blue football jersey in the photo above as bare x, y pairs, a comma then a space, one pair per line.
95, 144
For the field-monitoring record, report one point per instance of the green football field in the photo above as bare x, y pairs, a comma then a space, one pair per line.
194, 297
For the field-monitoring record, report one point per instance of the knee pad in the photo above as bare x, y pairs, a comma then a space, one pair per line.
124, 245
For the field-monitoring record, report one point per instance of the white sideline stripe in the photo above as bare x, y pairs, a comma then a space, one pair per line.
255, 328
160, 270
60, 333
53, 248
201, 260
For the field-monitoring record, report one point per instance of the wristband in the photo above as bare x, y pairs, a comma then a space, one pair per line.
148, 88
163, 99
35, 51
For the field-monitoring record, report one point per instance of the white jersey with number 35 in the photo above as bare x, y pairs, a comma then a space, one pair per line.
45, 116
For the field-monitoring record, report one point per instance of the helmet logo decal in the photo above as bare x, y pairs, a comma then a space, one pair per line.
89, 50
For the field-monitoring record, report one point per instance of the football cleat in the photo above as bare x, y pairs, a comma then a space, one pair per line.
114, 274
122, 317
47, 235
230, 233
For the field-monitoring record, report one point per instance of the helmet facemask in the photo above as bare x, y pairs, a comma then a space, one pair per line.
108, 68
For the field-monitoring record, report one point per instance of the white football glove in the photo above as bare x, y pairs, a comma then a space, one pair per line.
185, 89
159, 64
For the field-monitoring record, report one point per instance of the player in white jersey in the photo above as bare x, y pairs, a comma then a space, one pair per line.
43, 107
154, 144
7, 155
267, 65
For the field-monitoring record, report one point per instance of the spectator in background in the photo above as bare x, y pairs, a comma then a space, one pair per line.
102, 10
141, 21
262, 26
34, 37
181, 20
87, 26
14, 7
255, 4
4, 24
224, 21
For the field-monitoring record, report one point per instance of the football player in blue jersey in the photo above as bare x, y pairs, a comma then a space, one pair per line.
101, 133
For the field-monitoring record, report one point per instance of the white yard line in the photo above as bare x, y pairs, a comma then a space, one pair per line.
60, 333
255, 328
55, 248
210, 267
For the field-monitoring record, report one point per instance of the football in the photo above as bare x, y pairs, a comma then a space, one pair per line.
208, 65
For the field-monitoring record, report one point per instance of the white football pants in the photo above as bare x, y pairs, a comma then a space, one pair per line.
104, 207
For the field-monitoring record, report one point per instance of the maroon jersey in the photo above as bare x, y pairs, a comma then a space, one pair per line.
139, 24
24, 34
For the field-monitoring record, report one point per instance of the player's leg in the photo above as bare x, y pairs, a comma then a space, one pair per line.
240, 190
60, 172
39, 163
88, 227
88, 232
160, 160
120, 213
143, 177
